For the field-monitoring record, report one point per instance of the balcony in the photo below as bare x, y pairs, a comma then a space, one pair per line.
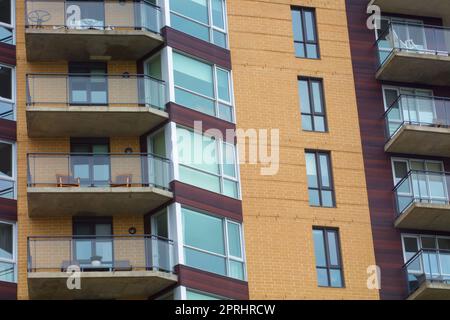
110, 267
76, 105
428, 275
414, 53
91, 30
96, 184
422, 201
418, 125
430, 8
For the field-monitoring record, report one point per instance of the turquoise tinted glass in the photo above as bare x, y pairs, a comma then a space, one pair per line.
191, 295
223, 85
234, 240
194, 9
203, 231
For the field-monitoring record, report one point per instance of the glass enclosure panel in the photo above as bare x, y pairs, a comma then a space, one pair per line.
223, 85
203, 231
205, 261
193, 75
193, 295
234, 240
190, 27
236, 270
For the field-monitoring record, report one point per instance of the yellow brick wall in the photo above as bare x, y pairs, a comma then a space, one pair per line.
278, 220
52, 226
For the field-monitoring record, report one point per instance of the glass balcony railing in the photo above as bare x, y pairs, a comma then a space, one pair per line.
7, 271
7, 189
6, 35
427, 265
93, 15
100, 253
125, 90
414, 38
422, 187
98, 170
417, 110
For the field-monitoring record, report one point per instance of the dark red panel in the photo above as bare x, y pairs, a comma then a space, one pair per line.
186, 117
8, 130
196, 47
7, 54
8, 209
8, 291
212, 283
206, 200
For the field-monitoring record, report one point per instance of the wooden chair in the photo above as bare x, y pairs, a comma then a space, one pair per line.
67, 181
123, 180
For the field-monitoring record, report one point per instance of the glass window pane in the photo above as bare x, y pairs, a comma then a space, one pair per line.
6, 189
219, 39
299, 50
218, 13
205, 261
203, 231
335, 278
6, 35
6, 82
311, 51
225, 112
297, 25
189, 27
5, 11
317, 96
230, 188
195, 102
314, 199
83, 250
104, 250
307, 123
234, 240
6, 241
428, 242
322, 277
310, 25
319, 248
324, 170
103, 229
319, 123
6, 155
444, 244
194, 9
200, 179
229, 160
223, 85
192, 295
311, 170
327, 199
333, 248
193, 75
303, 88
236, 270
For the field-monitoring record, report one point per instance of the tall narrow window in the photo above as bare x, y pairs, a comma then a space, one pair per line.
312, 105
6, 170
203, 19
6, 22
320, 184
6, 93
7, 252
305, 33
328, 257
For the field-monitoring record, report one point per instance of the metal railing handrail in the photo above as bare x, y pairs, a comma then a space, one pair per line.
425, 26
96, 154
106, 75
105, 26
112, 236
393, 105
421, 251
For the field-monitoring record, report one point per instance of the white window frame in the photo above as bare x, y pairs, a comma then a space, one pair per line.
12, 179
418, 238
211, 27
408, 164
220, 175
214, 99
13, 22
13, 261
13, 89
227, 257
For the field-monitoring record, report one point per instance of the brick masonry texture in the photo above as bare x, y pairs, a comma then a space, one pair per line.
278, 220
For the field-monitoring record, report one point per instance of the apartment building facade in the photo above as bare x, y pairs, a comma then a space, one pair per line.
401, 73
97, 174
